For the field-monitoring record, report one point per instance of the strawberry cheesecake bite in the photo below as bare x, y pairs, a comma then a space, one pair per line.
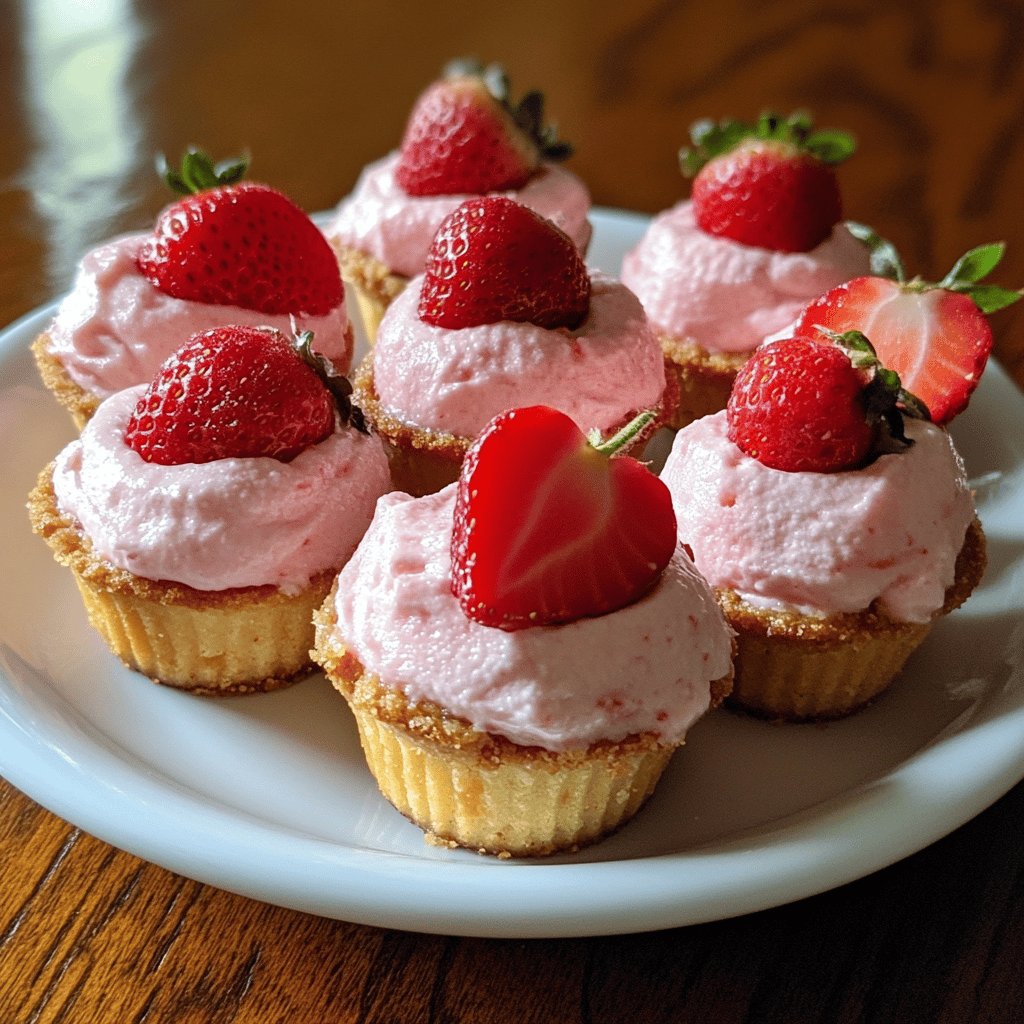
229, 252
759, 238
464, 138
205, 515
834, 533
511, 646
504, 314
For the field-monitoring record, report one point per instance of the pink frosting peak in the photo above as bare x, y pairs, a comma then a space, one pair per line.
726, 296
458, 380
823, 543
646, 667
115, 328
380, 218
223, 524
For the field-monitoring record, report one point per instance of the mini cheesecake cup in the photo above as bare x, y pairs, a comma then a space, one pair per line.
424, 461
212, 643
796, 668
468, 788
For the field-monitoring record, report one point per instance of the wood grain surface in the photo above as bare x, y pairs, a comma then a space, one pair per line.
89, 92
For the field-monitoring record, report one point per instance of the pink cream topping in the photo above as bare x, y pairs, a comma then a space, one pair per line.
384, 221
115, 328
725, 296
823, 543
458, 380
223, 524
646, 667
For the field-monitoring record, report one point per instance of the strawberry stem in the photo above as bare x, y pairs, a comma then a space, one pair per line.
621, 438
338, 385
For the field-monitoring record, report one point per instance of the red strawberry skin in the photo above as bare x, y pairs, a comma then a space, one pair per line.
243, 245
459, 139
768, 194
233, 392
797, 405
493, 259
548, 530
938, 341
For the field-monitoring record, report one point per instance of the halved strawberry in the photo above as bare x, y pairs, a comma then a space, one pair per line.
238, 392
239, 244
768, 184
465, 136
935, 336
550, 527
493, 259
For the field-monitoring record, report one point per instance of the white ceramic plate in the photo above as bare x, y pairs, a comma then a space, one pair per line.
268, 795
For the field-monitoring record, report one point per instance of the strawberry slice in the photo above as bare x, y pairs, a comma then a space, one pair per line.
550, 527
242, 244
465, 136
935, 336
493, 259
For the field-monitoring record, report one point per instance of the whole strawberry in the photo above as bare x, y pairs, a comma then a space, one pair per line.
235, 392
823, 406
240, 244
465, 136
935, 336
770, 184
493, 259
550, 527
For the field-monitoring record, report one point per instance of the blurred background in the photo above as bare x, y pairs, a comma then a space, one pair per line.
92, 90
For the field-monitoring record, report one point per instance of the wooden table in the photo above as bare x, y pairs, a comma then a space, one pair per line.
89, 92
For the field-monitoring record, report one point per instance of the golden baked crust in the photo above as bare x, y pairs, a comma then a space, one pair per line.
468, 788
791, 667
704, 379
80, 403
423, 461
242, 640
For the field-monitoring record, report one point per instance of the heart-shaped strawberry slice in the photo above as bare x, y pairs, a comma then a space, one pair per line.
550, 527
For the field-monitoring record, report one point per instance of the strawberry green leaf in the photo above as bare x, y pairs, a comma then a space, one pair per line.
800, 123
199, 173
831, 146
338, 386
974, 265
885, 259
710, 139
990, 297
